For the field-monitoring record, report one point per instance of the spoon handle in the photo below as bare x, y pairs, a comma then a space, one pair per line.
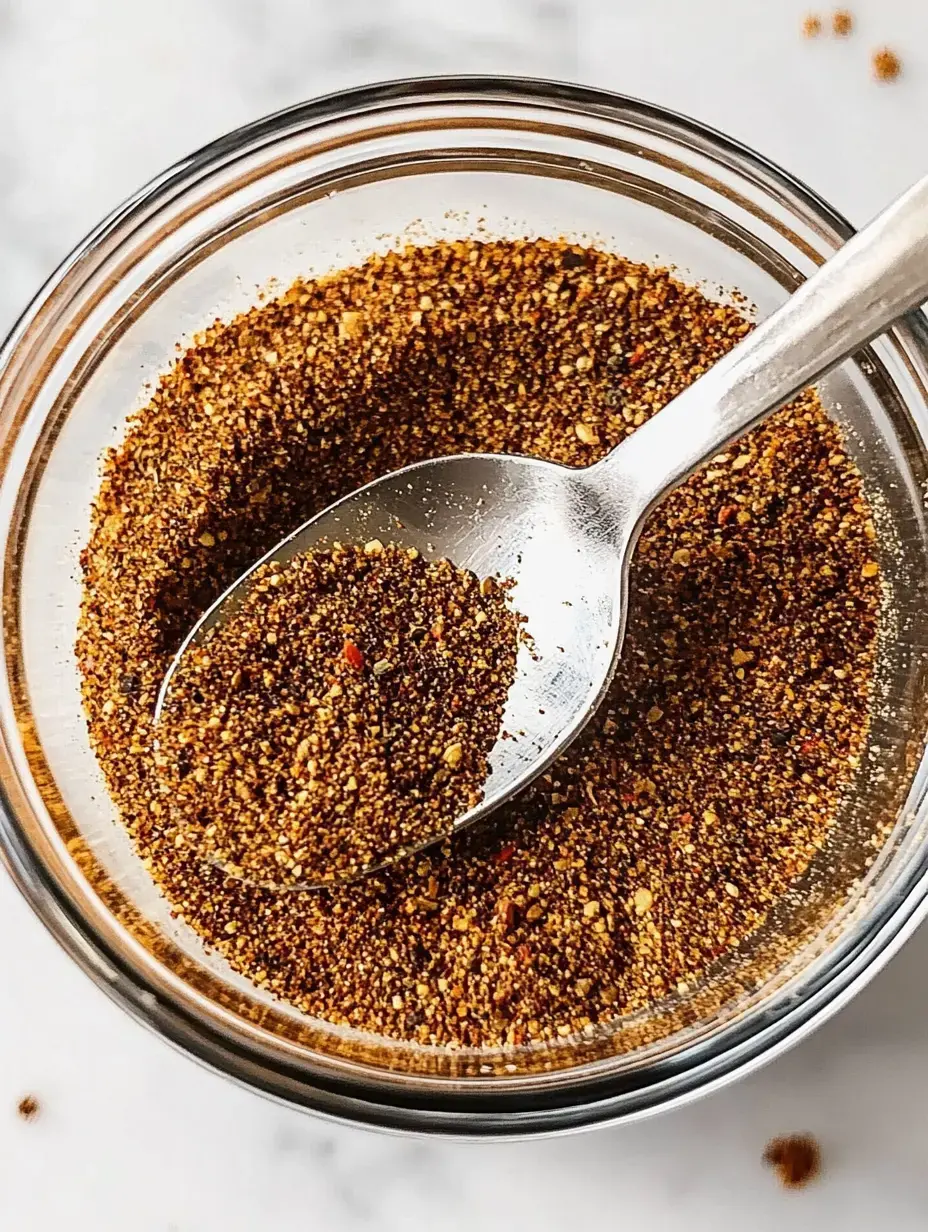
878, 275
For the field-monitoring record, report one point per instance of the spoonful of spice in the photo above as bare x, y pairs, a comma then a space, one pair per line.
344, 711
428, 733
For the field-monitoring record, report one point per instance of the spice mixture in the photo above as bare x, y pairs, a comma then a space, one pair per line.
343, 713
713, 772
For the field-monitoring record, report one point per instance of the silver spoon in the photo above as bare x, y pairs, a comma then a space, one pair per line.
566, 535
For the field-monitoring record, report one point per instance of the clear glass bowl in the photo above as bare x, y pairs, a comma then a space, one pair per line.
322, 186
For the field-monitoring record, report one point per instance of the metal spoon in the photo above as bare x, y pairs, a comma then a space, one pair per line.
566, 535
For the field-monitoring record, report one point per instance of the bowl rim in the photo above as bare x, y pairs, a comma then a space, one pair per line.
454, 1114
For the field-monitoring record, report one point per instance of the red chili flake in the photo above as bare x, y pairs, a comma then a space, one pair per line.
523, 953
686, 819
637, 355
627, 798
808, 746
726, 513
352, 656
505, 853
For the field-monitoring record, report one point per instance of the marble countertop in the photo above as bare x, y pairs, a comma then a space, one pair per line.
96, 97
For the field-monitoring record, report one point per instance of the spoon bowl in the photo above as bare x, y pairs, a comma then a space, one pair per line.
537, 524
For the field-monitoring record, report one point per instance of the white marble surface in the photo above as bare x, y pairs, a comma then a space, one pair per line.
97, 95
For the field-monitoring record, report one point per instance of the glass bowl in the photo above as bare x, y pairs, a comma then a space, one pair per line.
318, 187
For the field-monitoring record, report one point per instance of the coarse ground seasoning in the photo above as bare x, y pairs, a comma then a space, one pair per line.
343, 713
713, 773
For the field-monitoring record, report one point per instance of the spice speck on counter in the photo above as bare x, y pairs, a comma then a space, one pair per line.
797, 1159
28, 1107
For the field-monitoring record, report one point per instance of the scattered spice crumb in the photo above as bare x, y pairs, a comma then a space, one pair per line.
842, 22
797, 1159
28, 1107
886, 64
812, 25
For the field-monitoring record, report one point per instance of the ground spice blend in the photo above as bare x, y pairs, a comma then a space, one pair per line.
712, 774
343, 714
